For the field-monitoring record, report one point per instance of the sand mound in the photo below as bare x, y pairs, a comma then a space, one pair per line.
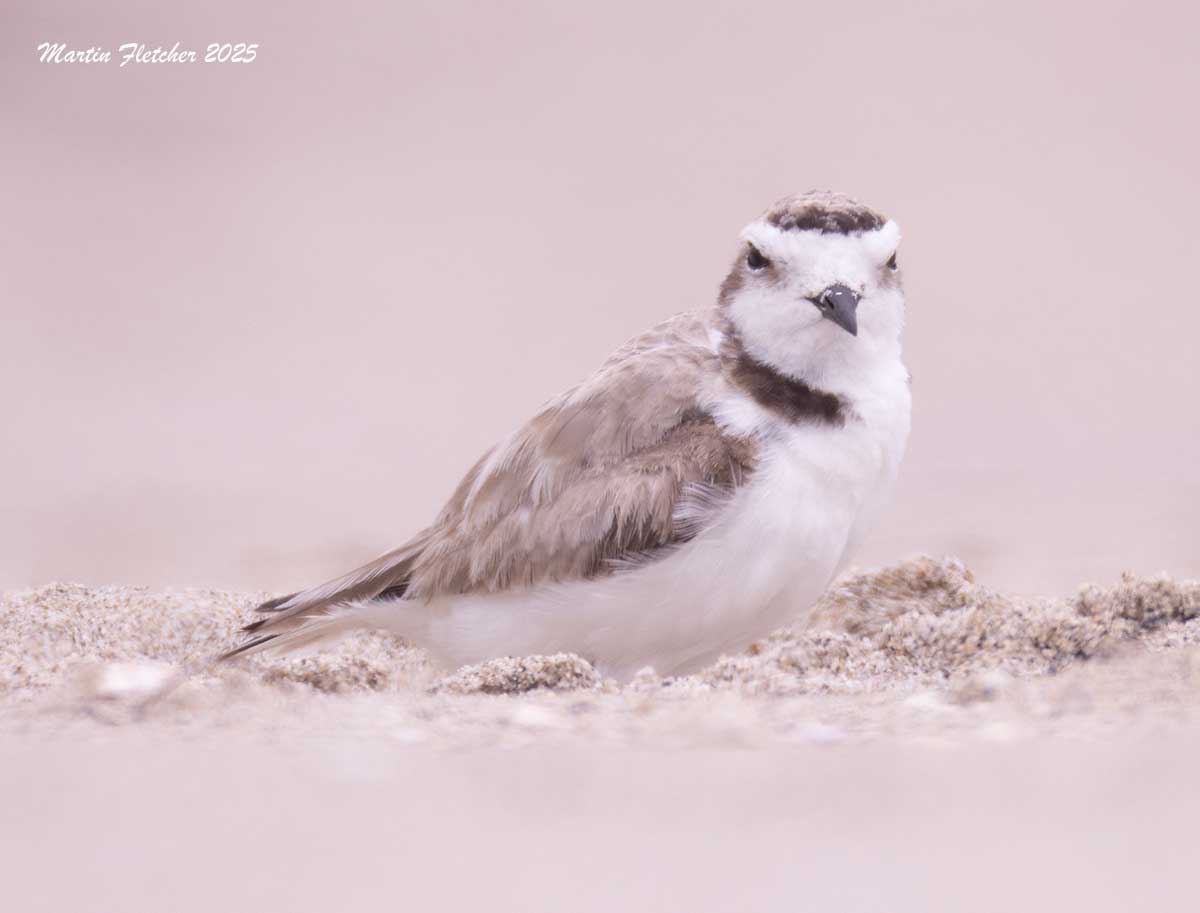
509, 675
927, 619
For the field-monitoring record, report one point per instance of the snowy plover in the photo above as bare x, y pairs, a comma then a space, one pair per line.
699, 490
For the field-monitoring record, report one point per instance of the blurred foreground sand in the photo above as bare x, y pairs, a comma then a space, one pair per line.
926, 744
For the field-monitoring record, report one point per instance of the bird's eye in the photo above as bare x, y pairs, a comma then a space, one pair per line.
891, 264
755, 260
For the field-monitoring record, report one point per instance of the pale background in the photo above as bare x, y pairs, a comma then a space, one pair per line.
257, 320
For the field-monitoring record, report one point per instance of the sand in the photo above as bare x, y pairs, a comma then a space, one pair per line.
920, 735
880, 646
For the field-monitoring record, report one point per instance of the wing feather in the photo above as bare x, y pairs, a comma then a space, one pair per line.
615, 470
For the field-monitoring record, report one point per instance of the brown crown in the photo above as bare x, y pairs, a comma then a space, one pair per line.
823, 211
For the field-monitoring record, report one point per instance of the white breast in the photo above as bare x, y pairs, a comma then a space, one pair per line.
766, 559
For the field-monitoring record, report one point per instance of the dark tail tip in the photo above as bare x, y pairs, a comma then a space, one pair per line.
249, 645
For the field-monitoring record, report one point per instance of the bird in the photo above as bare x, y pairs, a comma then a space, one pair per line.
699, 490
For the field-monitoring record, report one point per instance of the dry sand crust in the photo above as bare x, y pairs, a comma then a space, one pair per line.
927, 744
919, 649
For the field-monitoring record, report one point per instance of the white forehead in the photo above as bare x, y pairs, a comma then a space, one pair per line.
824, 253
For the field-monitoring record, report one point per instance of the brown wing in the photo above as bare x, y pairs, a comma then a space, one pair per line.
595, 477
588, 519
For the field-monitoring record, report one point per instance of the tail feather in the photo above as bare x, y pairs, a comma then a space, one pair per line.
322, 612
251, 646
300, 632
272, 605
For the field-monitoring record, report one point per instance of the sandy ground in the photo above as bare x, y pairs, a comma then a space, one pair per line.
924, 744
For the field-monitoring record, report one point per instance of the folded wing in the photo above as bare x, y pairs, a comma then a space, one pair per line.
612, 473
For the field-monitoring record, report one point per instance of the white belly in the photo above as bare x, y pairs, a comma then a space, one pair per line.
766, 559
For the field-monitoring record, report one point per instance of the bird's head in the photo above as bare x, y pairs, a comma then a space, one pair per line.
815, 285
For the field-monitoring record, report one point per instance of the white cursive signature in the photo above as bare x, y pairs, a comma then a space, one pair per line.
133, 52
